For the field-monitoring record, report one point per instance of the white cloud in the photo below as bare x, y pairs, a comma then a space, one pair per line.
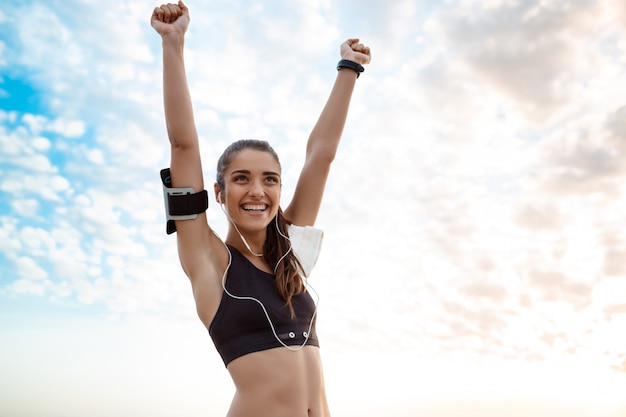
29, 269
3, 61
27, 287
41, 144
26, 207
95, 156
8, 230
8, 116
540, 55
36, 239
35, 123
539, 215
43, 186
68, 128
474, 207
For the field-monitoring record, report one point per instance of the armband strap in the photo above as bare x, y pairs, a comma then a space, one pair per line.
354, 66
181, 203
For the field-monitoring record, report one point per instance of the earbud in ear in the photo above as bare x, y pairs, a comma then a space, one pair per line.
219, 197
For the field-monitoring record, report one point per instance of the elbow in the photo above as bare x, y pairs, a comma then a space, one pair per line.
181, 144
328, 158
321, 158
322, 153
176, 145
174, 139
182, 135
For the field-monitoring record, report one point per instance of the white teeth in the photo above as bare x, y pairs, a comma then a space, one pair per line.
252, 207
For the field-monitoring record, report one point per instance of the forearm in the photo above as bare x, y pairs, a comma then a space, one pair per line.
177, 100
325, 136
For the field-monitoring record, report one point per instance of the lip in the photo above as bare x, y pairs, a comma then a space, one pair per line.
257, 204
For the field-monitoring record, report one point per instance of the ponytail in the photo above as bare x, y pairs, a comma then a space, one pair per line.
288, 278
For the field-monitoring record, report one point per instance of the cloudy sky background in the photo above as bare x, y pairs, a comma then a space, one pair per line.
474, 260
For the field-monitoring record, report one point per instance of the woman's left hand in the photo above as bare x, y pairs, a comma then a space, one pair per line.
355, 51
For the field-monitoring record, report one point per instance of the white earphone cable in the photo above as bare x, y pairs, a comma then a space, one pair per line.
267, 316
245, 242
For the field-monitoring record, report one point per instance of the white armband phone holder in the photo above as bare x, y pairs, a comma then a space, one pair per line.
182, 203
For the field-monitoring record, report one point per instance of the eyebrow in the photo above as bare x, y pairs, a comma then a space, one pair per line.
248, 172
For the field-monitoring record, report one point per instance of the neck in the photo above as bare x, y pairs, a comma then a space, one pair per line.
249, 244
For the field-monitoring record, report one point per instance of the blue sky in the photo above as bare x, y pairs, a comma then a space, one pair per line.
474, 258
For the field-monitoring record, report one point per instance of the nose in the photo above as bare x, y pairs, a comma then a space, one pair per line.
256, 190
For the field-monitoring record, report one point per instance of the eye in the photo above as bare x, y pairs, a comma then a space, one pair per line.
273, 180
240, 178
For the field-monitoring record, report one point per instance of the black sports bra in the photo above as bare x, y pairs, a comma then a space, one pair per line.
240, 326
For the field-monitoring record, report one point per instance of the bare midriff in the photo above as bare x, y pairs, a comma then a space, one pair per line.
279, 383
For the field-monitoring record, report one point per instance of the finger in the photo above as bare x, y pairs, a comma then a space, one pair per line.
359, 47
165, 13
170, 14
156, 14
184, 10
175, 12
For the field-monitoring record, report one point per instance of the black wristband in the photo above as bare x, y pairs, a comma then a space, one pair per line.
354, 66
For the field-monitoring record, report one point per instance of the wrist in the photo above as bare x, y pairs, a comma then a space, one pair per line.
173, 37
350, 65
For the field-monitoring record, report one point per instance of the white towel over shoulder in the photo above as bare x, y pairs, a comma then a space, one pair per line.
306, 242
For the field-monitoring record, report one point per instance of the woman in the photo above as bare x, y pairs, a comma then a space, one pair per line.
249, 289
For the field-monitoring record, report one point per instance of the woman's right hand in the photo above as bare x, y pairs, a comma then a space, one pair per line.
170, 18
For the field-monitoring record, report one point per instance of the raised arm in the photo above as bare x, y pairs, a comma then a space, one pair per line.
324, 139
171, 22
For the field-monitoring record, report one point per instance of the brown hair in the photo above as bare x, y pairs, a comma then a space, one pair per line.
288, 279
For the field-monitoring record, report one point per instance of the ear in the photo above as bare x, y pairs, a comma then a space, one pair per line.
219, 196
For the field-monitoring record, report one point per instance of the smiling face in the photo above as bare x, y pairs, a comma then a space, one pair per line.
251, 193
